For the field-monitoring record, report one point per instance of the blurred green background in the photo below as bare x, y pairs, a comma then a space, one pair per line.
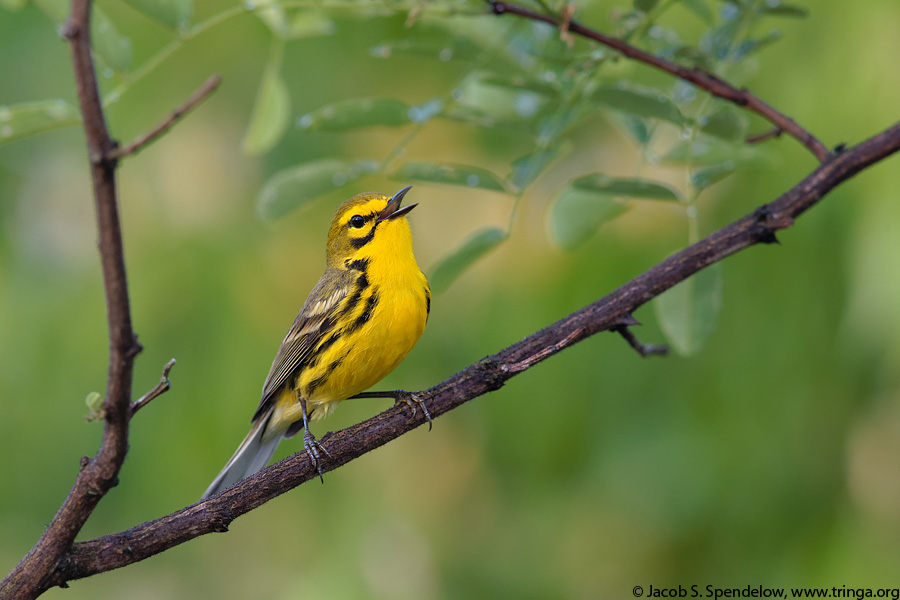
770, 456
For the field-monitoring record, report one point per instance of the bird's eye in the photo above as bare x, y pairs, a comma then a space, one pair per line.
357, 221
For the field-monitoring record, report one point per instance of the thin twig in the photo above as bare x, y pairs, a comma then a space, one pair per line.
698, 77
644, 350
160, 388
208, 87
765, 135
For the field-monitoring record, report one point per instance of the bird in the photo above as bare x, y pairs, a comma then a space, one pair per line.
361, 319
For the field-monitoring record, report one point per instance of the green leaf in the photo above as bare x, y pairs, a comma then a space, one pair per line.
22, 120
783, 10
171, 13
757, 44
518, 82
293, 24
309, 23
699, 8
639, 101
645, 5
272, 14
710, 151
357, 113
689, 311
445, 51
458, 260
551, 126
106, 41
271, 114
577, 213
718, 41
525, 169
464, 175
630, 188
703, 178
725, 123
94, 403
499, 102
113, 47
298, 186
422, 113
636, 127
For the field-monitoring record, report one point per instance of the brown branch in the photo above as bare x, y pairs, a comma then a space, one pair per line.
163, 126
98, 475
698, 77
39, 570
612, 311
159, 389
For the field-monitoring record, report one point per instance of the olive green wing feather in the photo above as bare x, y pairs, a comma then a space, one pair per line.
317, 319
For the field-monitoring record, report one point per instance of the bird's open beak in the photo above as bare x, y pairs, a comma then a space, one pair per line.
393, 210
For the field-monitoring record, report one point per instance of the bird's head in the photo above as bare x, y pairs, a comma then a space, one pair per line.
369, 225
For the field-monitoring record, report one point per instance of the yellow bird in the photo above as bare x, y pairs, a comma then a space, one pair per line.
361, 319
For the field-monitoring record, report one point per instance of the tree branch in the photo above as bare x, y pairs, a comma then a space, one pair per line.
38, 570
99, 474
698, 77
489, 374
208, 87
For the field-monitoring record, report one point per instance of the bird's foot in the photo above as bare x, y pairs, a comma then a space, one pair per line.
314, 450
415, 400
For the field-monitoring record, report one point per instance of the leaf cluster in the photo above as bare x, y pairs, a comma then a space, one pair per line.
527, 80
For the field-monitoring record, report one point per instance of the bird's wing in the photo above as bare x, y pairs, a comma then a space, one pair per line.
316, 320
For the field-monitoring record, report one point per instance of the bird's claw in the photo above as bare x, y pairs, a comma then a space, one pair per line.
314, 451
416, 400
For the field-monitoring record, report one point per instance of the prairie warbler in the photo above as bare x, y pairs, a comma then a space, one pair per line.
361, 319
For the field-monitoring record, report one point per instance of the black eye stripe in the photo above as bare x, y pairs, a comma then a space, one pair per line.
360, 220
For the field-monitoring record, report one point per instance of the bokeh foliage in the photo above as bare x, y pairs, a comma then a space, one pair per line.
764, 453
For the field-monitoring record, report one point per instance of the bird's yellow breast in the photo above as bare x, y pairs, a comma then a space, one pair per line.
369, 353
380, 329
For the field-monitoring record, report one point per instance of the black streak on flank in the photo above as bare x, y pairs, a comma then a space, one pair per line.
363, 318
326, 344
362, 282
360, 264
318, 381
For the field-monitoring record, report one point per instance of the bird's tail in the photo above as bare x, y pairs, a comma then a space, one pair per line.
252, 455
